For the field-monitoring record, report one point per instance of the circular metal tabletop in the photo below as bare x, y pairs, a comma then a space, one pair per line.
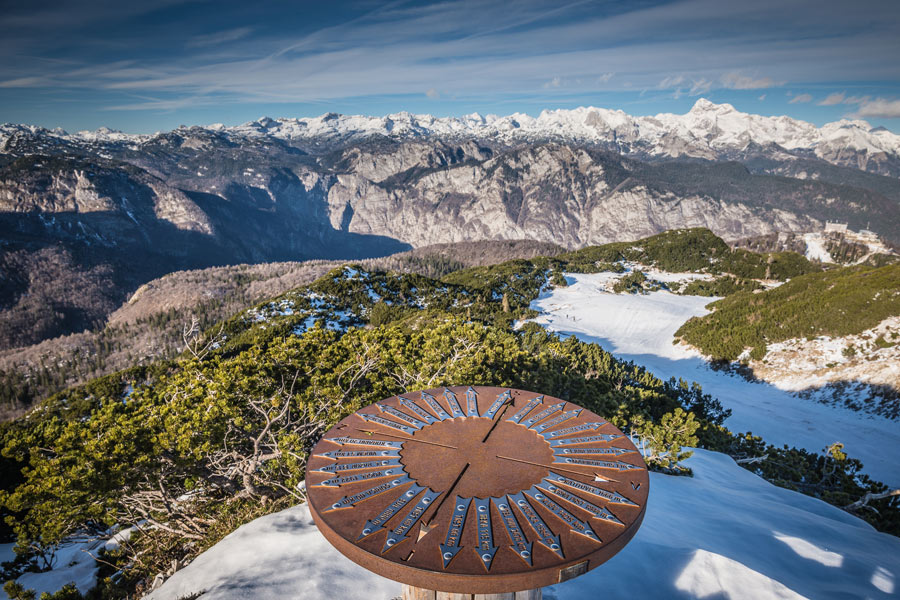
477, 490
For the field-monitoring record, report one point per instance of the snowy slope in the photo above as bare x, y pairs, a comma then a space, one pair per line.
725, 533
641, 329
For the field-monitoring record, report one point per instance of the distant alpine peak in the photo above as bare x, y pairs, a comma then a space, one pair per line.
708, 130
704, 105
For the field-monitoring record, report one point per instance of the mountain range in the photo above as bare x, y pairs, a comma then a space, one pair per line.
106, 211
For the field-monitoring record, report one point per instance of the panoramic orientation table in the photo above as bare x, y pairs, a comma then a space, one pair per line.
476, 490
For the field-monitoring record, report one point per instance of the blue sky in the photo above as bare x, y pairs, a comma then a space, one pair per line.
143, 66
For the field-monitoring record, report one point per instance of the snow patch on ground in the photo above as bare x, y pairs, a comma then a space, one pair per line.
641, 328
278, 556
74, 564
724, 533
815, 248
798, 364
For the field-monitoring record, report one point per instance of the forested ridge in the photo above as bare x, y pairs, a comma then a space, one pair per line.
186, 450
839, 302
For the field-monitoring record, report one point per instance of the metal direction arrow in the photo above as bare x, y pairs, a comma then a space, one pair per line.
543, 414
365, 442
545, 534
339, 481
486, 548
566, 416
603, 464
450, 397
471, 402
575, 524
500, 401
596, 511
375, 525
610, 451
336, 454
574, 429
399, 532
432, 403
386, 422
348, 501
520, 545
526, 409
390, 410
358, 466
591, 439
612, 497
454, 534
423, 414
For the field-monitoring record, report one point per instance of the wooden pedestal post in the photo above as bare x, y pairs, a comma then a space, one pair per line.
416, 593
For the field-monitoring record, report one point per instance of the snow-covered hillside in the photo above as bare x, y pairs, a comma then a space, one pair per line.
641, 328
725, 533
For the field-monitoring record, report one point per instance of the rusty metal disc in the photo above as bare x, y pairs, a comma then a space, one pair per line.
477, 490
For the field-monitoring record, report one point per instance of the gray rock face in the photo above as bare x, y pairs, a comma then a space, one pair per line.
134, 208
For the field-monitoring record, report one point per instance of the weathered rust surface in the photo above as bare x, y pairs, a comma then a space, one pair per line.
469, 490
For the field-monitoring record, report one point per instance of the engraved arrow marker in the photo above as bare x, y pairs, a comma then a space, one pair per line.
358, 466
375, 525
420, 412
520, 414
390, 410
386, 422
612, 497
450, 397
339, 481
399, 533
595, 511
573, 429
603, 437
610, 451
359, 454
471, 402
603, 464
365, 442
425, 527
486, 549
566, 416
520, 545
435, 406
454, 533
543, 414
348, 501
495, 406
545, 534
575, 524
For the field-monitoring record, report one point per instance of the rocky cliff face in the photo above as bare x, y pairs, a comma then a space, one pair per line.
197, 197
571, 196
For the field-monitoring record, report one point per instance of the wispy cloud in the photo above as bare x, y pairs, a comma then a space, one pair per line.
543, 49
832, 99
800, 98
879, 107
736, 81
219, 37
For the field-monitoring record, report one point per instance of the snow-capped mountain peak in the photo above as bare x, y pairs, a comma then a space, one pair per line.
708, 130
